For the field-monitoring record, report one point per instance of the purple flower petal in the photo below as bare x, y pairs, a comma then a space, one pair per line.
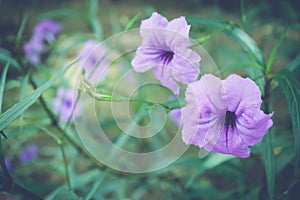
64, 104
29, 153
8, 163
165, 49
47, 29
93, 59
224, 116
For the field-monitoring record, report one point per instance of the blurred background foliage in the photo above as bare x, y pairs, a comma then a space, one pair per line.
213, 177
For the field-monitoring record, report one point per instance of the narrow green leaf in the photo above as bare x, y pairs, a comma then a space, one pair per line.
95, 23
240, 36
295, 64
274, 51
23, 88
5, 57
21, 29
66, 195
269, 161
291, 90
2, 83
15, 111
97, 184
131, 23
211, 162
203, 39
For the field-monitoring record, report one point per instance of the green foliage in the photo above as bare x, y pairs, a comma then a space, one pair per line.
11, 114
291, 89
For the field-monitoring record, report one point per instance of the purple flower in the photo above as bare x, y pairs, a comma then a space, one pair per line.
224, 116
47, 29
93, 59
33, 50
8, 162
165, 49
44, 31
175, 115
29, 153
64, 103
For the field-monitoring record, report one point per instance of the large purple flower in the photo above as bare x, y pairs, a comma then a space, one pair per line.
224, 116
93, 59
165, 49
64, 104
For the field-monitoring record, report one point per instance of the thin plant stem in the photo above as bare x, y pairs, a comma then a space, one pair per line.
66, 164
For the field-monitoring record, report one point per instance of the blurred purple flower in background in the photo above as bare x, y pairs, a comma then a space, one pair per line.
45, 31
224, 116
29, 153
63, 105
8, 161
93, 59
165, 49
33, 49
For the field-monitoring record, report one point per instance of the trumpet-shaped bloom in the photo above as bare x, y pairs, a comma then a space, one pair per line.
224, 116
64, 104
165, 50
93, 59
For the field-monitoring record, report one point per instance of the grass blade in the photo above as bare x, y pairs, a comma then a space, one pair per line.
96, 25
5, 56
15, 111
295, 64
131, 23
2, 83
274, 51
291, 90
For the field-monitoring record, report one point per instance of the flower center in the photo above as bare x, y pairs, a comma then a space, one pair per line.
230, 119
68, 103
167, 56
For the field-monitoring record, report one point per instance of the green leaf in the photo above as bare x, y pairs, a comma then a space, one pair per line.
131, 23
274, 52
291, 90
15, 111
295, 64
21, 29
2, 83
212, 161
5, 56
66, 195
237, 34
96, 25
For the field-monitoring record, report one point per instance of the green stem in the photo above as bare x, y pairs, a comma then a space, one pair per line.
269, 155
65, 163
97, 185
60, 129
